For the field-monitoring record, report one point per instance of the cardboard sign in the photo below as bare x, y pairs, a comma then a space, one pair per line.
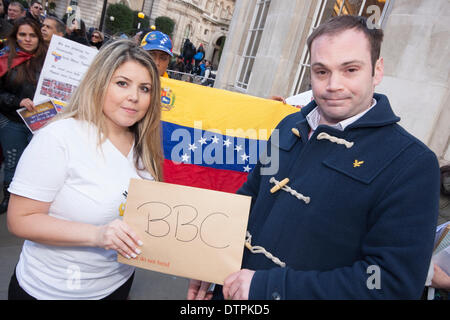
188, 232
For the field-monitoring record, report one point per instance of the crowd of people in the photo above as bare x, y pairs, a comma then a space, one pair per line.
373, 189
70, 27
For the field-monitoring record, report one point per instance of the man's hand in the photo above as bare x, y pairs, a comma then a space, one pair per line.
237, 285
278, 98
198, 290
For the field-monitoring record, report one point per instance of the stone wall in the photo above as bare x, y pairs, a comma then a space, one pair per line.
416, 58
415, 52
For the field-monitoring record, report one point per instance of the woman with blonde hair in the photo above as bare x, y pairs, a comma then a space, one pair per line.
73, 178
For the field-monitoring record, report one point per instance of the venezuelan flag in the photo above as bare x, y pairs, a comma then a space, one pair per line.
213, 138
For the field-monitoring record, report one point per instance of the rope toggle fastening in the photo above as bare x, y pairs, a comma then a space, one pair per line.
283, 186
258, 249
324, 135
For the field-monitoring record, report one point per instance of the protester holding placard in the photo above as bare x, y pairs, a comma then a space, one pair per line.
20, 65
71, 182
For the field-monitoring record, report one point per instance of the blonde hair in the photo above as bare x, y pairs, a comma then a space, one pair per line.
87, 102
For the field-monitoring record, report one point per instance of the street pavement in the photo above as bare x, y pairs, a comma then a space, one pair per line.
147, 285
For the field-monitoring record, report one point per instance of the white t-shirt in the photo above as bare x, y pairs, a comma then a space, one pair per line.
64, 165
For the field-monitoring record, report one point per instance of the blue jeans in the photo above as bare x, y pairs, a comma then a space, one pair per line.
14, 138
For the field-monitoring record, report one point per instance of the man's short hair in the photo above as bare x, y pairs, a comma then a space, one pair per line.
60, 26
17, 4
346, 22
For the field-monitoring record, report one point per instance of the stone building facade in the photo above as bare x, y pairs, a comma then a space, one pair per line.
204, 22
265, 54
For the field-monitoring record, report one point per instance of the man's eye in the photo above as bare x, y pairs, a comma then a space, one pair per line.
320, 72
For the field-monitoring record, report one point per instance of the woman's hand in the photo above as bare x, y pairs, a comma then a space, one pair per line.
117, 235
198, 290
27, 103
440, 280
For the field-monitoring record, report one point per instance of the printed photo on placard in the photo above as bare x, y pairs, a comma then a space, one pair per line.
35, 120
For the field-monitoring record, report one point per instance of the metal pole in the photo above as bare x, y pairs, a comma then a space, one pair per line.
102, 19
151, 10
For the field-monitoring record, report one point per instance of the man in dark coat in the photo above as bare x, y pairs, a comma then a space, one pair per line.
356, 217
188, 54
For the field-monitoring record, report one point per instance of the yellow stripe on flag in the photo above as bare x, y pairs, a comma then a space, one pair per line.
225, 112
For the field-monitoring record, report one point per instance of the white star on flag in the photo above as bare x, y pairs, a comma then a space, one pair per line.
244, 157
247, 168
202, 140
227, 143
185, 158
215, 139
238, 148
192, 147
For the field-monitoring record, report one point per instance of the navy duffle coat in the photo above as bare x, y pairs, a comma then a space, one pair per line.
373, 209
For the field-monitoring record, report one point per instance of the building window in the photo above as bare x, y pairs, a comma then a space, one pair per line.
252, 43
187, 31
374, 10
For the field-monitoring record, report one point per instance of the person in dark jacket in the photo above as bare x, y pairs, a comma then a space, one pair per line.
178, 67
97, 38
76, 30
5, 26
188, 54
356, 218
52, 26
20, 66
35, 12
15, 11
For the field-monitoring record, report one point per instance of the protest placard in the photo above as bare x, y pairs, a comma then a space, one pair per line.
189, 232
35, 120
64, 66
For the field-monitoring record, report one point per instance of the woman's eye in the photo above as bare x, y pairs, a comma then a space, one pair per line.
121, 83
145, 89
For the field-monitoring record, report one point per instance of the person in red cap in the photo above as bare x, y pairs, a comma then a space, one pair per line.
159, 46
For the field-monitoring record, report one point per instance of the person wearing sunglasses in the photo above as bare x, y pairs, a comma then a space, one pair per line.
96, 39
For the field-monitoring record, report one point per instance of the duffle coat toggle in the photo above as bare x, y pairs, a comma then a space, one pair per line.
283, 186
324, 135
295, 132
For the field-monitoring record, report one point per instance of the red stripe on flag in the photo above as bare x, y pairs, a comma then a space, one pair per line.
203, 177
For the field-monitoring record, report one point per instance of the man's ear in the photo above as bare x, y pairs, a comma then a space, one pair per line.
378, 72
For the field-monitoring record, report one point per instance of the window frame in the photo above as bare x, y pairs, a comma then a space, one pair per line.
249, 56
305, 64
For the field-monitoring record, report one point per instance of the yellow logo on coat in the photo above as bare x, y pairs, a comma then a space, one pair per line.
357, 163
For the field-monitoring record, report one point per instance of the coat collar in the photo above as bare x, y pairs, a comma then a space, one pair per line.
378, 116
